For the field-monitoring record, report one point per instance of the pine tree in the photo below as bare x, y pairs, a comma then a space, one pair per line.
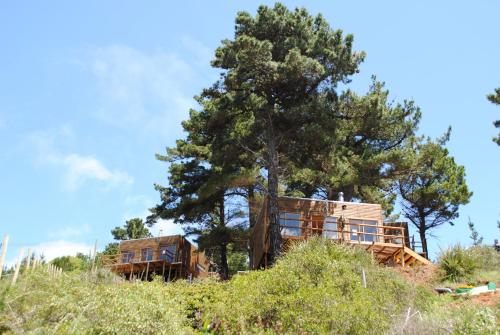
361, 153
279, 63
133, 229
495, 98
433, 190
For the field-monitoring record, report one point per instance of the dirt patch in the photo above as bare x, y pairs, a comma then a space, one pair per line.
420, 274
487, 299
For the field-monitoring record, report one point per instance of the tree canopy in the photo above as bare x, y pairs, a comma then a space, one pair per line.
281, 120
133, 229
495, 98
434, 188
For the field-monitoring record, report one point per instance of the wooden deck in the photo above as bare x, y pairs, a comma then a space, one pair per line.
171, 257
356, 224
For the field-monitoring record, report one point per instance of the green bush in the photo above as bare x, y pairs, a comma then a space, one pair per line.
316, 288
444, 319
80, 304
457, 264
485, 257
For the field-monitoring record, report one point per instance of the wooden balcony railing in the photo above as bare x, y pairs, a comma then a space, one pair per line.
116, 259
348, 232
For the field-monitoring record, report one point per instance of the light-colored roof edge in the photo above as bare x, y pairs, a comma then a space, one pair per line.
332, 201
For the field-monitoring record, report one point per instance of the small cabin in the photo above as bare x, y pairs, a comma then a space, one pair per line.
171, 257
359, 224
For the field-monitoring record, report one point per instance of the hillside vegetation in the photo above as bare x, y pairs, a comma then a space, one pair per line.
316, 288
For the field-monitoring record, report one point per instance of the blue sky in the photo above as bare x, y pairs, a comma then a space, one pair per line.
91, 90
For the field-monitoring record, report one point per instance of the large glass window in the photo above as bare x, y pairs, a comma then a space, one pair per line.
290, 224
146, 254
167, 252
127, 256
361, 232
330, 228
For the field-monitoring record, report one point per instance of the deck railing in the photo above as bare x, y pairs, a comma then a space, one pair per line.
348, 232
116, 259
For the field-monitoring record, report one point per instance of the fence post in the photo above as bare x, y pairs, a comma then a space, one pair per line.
93, 266
28, 260
5, 242
18, 266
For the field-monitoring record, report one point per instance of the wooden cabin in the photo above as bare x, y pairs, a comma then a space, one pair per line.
171, 257
353, 223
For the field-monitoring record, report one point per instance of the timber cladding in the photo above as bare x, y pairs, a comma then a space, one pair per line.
331, 208
151, 254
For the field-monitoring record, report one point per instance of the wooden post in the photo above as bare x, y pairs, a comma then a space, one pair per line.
94, 267
363, 277
28, 260
5, 242
163, 271
169, 271
147, 271
131, 270
18, 266
403, 256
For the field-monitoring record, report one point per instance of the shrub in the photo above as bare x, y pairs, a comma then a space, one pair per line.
457, 264
467, 319
77, 304
315, 288
485, 257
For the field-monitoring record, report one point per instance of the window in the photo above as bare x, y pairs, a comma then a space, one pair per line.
361, 232
127, 256
147, 255
330, 228
290, 223
167, 252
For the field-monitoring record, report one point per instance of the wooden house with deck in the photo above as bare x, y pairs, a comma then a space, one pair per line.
358, 224
171, 257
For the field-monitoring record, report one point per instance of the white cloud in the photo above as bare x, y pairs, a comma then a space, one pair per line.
139, 208
69, 232
53, 249
166, 227
77, 169
142, 90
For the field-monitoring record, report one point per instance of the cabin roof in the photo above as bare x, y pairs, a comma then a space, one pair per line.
151, 238
329, 201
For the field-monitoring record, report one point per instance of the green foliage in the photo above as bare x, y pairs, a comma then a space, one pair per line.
470, 264
463, 319
80, 262
237, 260
316, 288
474, 235
485, 257
457, 264
77, 304
434, 189
111, 249
364, 151
495, 98
133, 229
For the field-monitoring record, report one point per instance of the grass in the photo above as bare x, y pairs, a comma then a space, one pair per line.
316, 288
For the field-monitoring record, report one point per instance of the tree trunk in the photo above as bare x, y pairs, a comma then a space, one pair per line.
224, 267
423, 239
252, 220
348, 192
273, 210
